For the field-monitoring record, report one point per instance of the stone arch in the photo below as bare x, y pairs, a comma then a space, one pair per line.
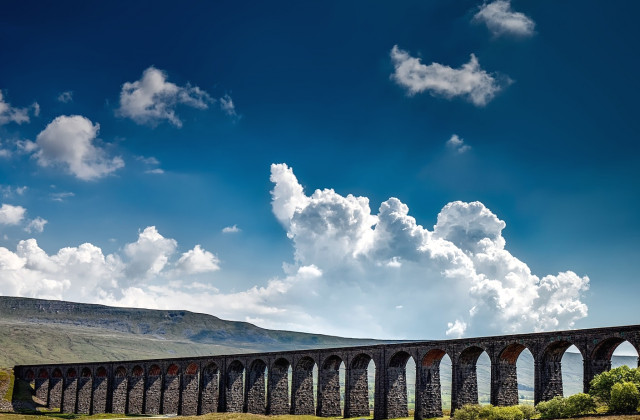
550, 370
302, 401
29, 375
136, 390
329, 387
171, 390
85, 385
154, 370
278, 388
465, 376
397, 404
153, 390
505, 389
100, 390
234, 390
428, 386
119, 396
55, 388
190, 388
357, 387
601, 355
210, 389
256, 388
69, 391
43, 374
192, 369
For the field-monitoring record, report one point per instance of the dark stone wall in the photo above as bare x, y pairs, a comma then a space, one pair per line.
278, 395
302, 401
83, 405
357, 393
119, 397
505, 391
210, 392
233, 390
171, 395
69, 393
136, 395
55, 393
190, 391
430, 392
329, 393
397, 392
153, 395
42, 390
256, 388
100, 389
216, 383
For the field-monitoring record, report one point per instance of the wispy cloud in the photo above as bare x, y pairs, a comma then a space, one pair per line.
502, 20
457, 144
36, 225
9, 113
231, 229
154, 99
61, 196
469, 81
65, 97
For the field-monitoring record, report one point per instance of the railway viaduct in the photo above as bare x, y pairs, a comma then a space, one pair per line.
259, 382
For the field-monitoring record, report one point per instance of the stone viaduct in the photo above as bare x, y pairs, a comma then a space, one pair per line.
259, 383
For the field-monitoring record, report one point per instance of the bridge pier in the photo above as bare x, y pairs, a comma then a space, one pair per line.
255, 388
233, 389
278, 388
69, 392
302, 383
428, 388
100, 392
329, 388
209, 397
55, 389
356, 402
119, 391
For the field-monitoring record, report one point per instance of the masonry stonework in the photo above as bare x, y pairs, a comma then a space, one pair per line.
235, 383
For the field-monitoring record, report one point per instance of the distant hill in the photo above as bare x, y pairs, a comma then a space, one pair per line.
37, 330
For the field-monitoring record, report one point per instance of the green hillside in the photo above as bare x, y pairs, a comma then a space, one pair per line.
37, 331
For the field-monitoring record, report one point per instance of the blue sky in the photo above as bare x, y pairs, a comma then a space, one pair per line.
143, 131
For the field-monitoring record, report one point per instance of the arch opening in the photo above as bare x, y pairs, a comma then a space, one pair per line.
556, 381
515, 362
625, 354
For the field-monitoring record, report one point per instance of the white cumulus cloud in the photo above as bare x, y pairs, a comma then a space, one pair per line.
70, 141
153, 99
502, 20
197, 260
11, 215
463, 257
469, 81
